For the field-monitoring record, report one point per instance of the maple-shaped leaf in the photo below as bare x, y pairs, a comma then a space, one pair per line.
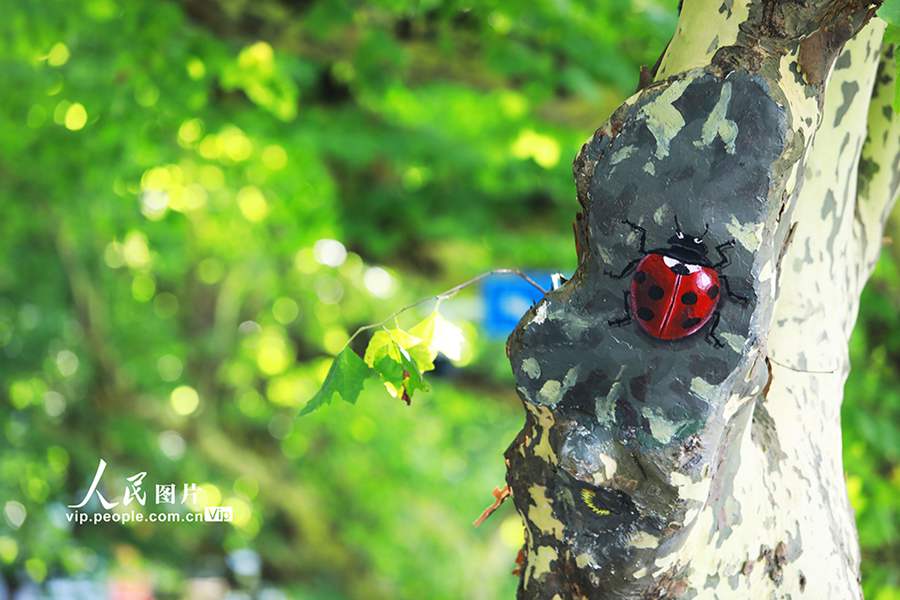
400, 358
346, 377
399, 371
391, 342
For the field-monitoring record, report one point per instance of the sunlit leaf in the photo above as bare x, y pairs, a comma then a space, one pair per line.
440, 335
390, 342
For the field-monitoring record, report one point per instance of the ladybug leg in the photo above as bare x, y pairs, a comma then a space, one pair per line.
640, 230
711, 334
725, 260
625, 272
627, 318
736, 297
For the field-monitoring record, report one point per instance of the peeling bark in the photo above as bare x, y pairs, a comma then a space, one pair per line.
654, 469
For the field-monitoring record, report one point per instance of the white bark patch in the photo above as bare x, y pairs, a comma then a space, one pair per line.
531, 367
767, 270
661, 428
553, 391
649, 168
541, 314
718, 124
609, 466
702, 388
748, 235
605, 406
876, 197
689, 489
659, 215
662, 118
734, 340
572, 323
550, 392
735, 401
584, 559
642, 539
703, 28
543, 556
800, 105
541, 513
621, 154
604, 255
543, 449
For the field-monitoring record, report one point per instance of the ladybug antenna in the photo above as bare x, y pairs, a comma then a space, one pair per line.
705, 231
677, 224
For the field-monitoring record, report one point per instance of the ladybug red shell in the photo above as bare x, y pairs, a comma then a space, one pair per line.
675, 291
673, 299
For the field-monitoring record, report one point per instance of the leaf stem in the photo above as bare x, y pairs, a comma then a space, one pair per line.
444, 296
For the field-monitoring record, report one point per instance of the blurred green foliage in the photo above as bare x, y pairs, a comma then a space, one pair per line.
174, 181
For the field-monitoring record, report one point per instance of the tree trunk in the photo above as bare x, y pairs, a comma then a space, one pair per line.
679, 469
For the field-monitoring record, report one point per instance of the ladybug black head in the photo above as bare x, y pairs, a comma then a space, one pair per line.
687, 241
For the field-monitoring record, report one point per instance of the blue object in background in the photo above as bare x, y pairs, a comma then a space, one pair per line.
506, 298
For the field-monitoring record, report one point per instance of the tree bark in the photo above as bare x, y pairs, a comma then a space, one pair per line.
677, 469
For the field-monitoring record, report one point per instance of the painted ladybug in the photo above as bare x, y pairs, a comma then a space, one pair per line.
675, 291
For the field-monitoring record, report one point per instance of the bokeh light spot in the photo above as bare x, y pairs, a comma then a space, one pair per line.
542, 149
169, 367
76, 117
195, 68
253, 204
66, 362
189, 132
273, 354
9, 549
512, 532
143, 287
379, 282
274, 157
172, 444
184, 400
135, 250
58, 55
285, 310
330, 253
210, 271
334, 339
15, 513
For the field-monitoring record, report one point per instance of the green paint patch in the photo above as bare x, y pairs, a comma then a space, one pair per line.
662, 118
718, 124
662, 429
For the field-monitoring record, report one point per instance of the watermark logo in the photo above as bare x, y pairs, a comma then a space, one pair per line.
135, 495
217, 514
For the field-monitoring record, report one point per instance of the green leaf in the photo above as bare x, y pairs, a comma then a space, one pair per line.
399, 371
413, 380
386, 341
391, 342
346, 376
402, 357
890, 12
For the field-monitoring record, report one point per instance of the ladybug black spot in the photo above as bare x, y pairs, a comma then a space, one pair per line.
645, 313
640, 277
688, 323
713, 291
689, 298
655, 292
